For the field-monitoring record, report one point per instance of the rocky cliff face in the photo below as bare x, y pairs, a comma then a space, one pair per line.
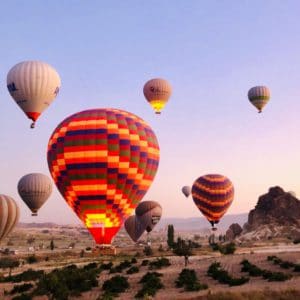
276, 214
233, 231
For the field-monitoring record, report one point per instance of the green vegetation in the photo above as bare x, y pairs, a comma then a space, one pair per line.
225, 249
21, 288
22, 297
216, 272
170, 239
119, 268
133, 260
256, 295
69, 281
31, 259
133, 269
284, 264
159, 263
28, 275
145, 262
253, 270
148, 251
107, 266
52, 246
151, 284
183, 248
188, 279
9, 263
114, 286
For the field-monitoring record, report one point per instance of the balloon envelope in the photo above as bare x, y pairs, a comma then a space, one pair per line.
157, 91
186, 190
103, 161
148, 213
35, 189
213, 194
9, 215
134, 228
33, 85
259, 96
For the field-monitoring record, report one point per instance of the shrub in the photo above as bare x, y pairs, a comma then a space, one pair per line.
216, 272
60, 284
145, 262
119, 268
227, 248
31, 259
22, 297
148, 251
151, 284
132, 270
115, 285
188, 279
253, 270
21, 288
159, 263
133, 260
107, 266
297, 268
296, 241
90, 266
28, 275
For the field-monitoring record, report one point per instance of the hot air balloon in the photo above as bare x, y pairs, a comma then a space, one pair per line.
148, 213
213, 194
33, 85
103, 161
134, 228
9, 215
157, 91
259, 96
186, 190
35, 189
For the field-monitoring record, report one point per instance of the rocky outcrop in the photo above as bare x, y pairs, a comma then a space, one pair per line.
233, 231
276, 214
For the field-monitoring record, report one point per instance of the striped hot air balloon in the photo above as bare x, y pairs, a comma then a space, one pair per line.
103, 161
33, 85
9, 215
213, 194
157, 91
259, 96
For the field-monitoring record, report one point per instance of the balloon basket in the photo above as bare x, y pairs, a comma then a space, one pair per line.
34, 214
104, 250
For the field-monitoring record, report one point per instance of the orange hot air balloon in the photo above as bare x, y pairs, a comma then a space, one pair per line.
213, 194
157, 91
103, 161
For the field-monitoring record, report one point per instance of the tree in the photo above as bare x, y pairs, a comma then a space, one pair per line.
52, 246
183, 248
171, 236
9, 263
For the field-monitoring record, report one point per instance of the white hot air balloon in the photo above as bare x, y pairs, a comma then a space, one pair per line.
33, 85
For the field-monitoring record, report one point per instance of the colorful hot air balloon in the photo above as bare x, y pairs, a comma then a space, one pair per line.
157, 91
134, 228
148, 213
9, 215
35, 189
186, 190
213, 194
259, 96
103, 161
33, 85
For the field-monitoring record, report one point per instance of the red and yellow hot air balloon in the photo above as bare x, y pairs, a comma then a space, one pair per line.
103, 161
213, 194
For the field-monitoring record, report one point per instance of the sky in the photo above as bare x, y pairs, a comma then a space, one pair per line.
212, 53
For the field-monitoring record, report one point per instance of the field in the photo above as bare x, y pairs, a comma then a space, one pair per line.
72, 246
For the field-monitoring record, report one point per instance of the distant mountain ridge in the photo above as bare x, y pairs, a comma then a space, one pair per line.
180, 224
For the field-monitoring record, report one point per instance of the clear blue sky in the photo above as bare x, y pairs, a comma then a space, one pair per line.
212, 52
